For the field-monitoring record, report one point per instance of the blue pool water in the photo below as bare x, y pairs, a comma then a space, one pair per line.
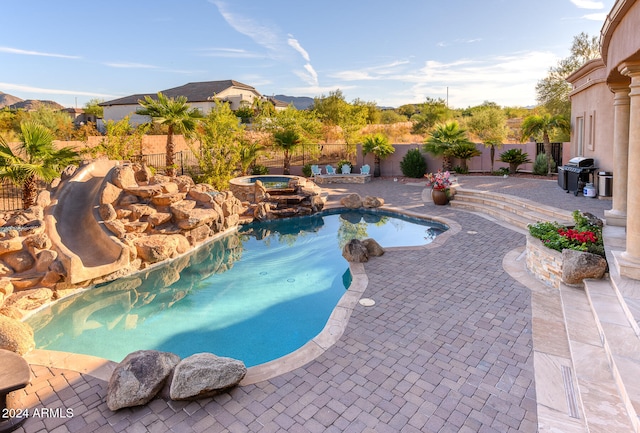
255, 295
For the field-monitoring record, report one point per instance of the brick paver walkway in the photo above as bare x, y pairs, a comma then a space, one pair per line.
446, 348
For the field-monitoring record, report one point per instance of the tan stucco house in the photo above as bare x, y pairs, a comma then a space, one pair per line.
201, 95
605, 110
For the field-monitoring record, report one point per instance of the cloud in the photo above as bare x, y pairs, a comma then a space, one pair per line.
229, 53
268, 36
588, 4
40, 90
595, 17
458, 42
35, 53
126, 65
296, 46
261, 34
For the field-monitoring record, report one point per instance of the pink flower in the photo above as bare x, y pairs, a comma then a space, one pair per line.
439, 180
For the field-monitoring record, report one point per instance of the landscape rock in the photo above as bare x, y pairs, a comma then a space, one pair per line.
110, 193
372, 202
29, 299
578, 265
16, 336
139, 377
373, 247
351, 201
355, 251
19, 261
156, 248
204, 375
124, 177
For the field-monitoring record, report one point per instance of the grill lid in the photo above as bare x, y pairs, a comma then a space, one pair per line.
580, 161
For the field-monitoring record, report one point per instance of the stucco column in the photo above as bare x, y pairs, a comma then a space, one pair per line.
629, 261
617, 215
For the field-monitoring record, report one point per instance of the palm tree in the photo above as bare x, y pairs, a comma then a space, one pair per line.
464, 152
544, 125
443, 136
287, 140
377, 144
176, 114
35, 159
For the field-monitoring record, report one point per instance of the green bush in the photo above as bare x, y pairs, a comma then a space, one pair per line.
540, 165
259, 169
306, 170
584, 236
413, 164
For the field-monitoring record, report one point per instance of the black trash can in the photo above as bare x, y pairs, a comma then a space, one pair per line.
605, 184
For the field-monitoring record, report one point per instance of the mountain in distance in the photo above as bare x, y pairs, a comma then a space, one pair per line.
300, 102
6, 100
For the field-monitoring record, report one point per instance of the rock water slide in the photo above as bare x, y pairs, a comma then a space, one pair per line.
85, 247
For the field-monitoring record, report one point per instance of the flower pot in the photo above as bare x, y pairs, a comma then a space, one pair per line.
439, 196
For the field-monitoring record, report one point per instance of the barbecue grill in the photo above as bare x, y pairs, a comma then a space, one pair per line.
576, 173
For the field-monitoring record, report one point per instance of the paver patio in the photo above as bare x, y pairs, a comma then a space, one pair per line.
446, 348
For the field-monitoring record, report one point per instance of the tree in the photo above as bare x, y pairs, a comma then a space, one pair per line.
121, 141
35, 159
289, 129
553, 91
443, 136
248, 153
218, 155
379, 145
490, 125
515, 158
176, 114
92, 107
544, 125
334, 110
463, 151
431, 112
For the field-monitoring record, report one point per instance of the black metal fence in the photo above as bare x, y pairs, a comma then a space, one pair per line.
556, 152
187, 163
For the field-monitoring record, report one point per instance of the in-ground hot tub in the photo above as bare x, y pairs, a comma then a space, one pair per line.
244, 187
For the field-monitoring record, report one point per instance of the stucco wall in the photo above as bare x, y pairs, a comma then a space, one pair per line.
620, 37
592, 115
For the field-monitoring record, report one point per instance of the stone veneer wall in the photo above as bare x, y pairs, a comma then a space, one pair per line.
544, 263
343, 178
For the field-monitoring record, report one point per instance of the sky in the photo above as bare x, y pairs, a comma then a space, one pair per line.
389, 52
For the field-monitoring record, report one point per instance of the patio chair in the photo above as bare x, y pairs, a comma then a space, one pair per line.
365, 169
330, 169
315, 170
346, 169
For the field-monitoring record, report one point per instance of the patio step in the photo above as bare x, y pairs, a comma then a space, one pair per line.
605, 384
508, 208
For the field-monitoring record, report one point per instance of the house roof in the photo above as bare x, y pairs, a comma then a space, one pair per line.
194, 92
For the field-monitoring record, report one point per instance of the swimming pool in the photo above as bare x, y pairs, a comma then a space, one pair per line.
254, 295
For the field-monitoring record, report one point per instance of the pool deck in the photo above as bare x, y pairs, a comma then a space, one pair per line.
447, 347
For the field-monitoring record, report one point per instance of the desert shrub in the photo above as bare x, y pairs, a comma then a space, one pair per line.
540, 165
259, 169
413, 164
306, 170
515, 158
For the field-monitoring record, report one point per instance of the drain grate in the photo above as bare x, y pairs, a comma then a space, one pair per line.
570, 391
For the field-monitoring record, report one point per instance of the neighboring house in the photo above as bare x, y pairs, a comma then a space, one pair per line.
614, 137
79, 117
199, 95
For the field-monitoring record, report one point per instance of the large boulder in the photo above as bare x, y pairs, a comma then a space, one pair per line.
351, 201
139, 377
204, 375
372, 202
15, 335
123, 176
578, 265
373, 248
355, 251
156, 248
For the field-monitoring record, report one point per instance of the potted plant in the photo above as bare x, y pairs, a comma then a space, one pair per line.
439, 183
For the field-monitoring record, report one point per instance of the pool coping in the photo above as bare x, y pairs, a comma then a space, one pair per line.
102, 369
